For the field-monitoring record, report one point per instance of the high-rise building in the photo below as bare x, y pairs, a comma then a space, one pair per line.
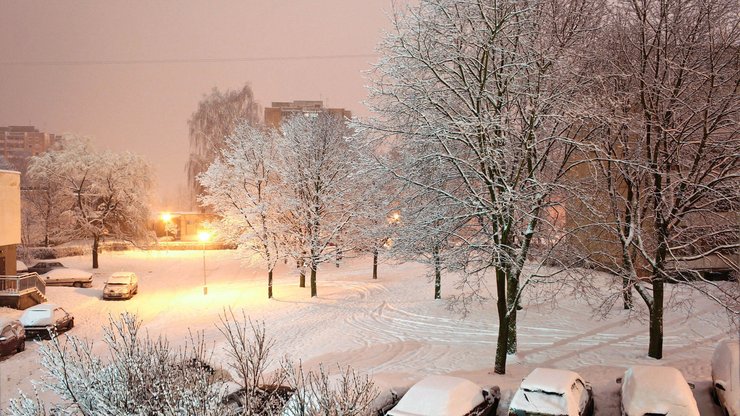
279, 111
19, 143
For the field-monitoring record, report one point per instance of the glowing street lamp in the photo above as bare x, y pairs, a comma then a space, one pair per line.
166, 218
204, 236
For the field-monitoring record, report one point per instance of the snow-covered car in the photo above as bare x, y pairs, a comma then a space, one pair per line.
121, 285
656, 390
726, 376
12, 336
44, 266
45, 319
447, 396
67, 277
548, 391
20, 267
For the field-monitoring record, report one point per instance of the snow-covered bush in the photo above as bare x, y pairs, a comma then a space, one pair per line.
139, 376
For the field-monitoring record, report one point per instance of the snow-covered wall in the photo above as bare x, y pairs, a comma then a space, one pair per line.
10, 208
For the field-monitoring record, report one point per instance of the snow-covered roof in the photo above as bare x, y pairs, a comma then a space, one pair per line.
439, 396
547, 391
42, 307
67, 273
656, 389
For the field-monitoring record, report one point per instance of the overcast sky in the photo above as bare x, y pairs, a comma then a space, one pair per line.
130, 73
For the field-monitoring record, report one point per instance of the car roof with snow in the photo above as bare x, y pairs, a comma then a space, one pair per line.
439, 395
42, 307
547, 391
65, 272
122, 274
657, 389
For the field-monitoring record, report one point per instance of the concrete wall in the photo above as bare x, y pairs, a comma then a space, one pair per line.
10, 219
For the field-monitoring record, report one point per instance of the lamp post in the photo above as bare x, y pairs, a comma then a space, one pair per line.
204, 236
166, 218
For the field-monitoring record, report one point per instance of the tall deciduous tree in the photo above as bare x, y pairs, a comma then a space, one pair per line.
217, 116
668, 95
107, 193
486, 90
242, 187
321, 185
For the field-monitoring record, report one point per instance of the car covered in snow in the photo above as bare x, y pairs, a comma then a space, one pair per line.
656, 390
548, 391
726, 376
121, 285
67, 277
45, 266
447, 396
46, 319
20, 267
12, 336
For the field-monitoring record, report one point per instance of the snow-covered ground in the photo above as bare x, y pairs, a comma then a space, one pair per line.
390, 328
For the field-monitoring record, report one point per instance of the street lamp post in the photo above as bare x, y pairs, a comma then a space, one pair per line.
204, 236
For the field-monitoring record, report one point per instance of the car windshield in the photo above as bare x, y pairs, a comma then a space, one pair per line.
118, 280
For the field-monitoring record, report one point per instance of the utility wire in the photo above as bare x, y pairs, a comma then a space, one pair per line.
185, 61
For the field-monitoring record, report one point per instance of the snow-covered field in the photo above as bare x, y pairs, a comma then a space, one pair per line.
390, 328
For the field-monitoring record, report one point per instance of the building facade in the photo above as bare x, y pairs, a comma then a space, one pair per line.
19, 143
279, 111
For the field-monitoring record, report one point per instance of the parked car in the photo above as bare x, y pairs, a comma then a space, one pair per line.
269, 399
67, 277
44, 266
121, 285
20, 267
12, 336
547, 391
655, 390
447, 396
45, 319
726, 376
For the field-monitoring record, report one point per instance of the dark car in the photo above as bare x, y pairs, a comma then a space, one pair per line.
46, 319
45, 266
12, 336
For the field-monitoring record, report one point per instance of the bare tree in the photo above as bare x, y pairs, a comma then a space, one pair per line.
108, 192
667, 95
243, 188
217, 115
485, 89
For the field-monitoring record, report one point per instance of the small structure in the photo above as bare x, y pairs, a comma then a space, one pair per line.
16, 291
182, 226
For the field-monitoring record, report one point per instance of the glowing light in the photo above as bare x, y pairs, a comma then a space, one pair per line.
166, 217
204, 236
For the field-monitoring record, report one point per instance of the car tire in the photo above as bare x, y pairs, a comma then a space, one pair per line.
71, 324
77, 284
21, 346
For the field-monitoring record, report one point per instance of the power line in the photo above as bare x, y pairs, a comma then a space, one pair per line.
185, 61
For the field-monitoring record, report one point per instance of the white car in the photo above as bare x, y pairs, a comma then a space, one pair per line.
46, 319
447, 396
20, 267
655, 390
547, 391
121, 285
67, 277
726, 376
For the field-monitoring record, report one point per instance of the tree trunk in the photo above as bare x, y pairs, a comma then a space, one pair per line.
302, 271
269, 284
96, 241
437, 273
655, 349
313, 279
626, 293
375, 263
503, 324
512, 288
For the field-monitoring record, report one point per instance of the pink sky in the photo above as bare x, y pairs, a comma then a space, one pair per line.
82, 88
